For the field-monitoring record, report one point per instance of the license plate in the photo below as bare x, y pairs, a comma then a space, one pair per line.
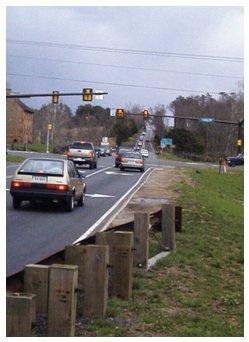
79, 159
39, 179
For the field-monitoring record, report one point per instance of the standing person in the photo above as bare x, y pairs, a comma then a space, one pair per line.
223, 164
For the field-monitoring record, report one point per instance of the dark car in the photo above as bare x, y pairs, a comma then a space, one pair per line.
81, 153
119, 155
233, 161
97, 151
55, 180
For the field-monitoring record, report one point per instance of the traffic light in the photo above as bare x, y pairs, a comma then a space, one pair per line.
120, 113
87, 94
55, 97
145, 114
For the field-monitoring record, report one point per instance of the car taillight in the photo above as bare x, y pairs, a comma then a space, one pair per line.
90, 154
59, 187
18, 184
68, 154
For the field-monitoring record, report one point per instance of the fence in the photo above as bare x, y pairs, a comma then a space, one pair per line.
89, 275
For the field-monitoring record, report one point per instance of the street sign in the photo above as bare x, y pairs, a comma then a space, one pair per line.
49, 126
113, 112
99, 96
206, 120
165, 142
239, 142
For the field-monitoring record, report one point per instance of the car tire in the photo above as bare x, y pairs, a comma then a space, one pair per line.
232, 164
116, 165
95, 165
91, 165
81, 200
16, 202
142, 169
69, 205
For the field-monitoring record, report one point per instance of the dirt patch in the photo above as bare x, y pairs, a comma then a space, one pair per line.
158, 187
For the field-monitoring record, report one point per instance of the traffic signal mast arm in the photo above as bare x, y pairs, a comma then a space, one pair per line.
50, 94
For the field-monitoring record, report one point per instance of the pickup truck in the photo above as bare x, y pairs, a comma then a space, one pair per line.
81, 152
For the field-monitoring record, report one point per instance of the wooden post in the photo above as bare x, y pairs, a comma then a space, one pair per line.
121, 256
93, 277
36, 281
141, 239
20, 308
62, 300
178, 219
168, 226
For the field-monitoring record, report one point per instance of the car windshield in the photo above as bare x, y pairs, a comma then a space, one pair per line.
82, 146
47, 167
132, 155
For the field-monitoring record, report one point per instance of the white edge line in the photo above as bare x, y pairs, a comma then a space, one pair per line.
96, 224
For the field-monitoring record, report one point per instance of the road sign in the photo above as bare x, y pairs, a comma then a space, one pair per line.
113, 112
99, 96
165, 142
49, 126
206, 120
239, 142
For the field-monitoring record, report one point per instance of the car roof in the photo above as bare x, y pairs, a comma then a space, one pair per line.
49, 159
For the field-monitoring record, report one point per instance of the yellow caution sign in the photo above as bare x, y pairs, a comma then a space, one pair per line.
49, 126
239, 142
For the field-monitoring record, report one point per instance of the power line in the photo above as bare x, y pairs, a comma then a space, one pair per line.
112, 84
126, 51
125, 67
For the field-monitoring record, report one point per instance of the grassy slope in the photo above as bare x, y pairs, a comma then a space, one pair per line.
14, 159
197, 291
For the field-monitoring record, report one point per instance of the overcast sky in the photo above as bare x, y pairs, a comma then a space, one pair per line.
214, 31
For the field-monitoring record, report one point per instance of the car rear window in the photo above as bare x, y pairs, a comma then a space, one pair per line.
82, 146
48, 167
132, 155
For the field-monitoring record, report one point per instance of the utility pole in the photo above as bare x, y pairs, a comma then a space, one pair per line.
49, 127
239, 141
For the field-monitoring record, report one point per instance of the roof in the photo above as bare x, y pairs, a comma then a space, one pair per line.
24, 106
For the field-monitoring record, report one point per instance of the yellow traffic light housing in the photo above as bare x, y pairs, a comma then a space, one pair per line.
55, 97
120, 113
87, 94
145, 114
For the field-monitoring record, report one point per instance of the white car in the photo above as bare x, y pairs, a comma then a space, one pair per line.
144, 153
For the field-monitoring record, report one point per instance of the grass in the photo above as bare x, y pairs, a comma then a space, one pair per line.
14, 159
198, 290
30, 147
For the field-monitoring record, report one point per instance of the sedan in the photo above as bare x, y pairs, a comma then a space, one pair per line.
233, 161
132, 160
144, 153
119, 156
55, 180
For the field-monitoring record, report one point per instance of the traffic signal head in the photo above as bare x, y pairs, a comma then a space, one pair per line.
146, 114
120, 113
55, 97
87, 94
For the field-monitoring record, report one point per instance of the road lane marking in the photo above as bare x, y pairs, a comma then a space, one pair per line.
99, 196
101, 219
94, 173
118, 173
9, 176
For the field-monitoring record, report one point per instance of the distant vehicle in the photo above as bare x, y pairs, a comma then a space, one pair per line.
119, 155
140, 144
102, 151
40, 179
141, 138
81, 153
233, 161
144, 153
144, 133
132, 160
97, 151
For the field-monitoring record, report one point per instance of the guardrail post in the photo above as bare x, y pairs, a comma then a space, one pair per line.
36, 281
62, 300
20, 312
178, 219
121, 256
168, 226
141, 239
92, 261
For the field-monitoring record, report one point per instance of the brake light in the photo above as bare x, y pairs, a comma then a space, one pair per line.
90, 154
59, 187
18, 184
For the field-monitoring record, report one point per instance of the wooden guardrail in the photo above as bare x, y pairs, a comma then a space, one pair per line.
89, 275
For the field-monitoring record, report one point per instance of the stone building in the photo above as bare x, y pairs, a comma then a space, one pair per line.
19, 122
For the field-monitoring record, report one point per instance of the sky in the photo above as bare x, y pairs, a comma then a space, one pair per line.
191, 30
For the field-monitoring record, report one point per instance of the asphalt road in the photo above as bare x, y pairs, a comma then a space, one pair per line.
37, 231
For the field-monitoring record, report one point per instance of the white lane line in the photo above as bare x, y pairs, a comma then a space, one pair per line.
7, 189
94, 173
118, 173
9, 176
99, 196
101, 219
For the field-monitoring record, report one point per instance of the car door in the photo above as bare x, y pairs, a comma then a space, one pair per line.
78, 183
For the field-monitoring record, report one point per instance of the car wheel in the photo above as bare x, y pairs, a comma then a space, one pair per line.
16, 202
116, 165
91, 165
70, 204
95, 165
81, 200
232, 164
142, 169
